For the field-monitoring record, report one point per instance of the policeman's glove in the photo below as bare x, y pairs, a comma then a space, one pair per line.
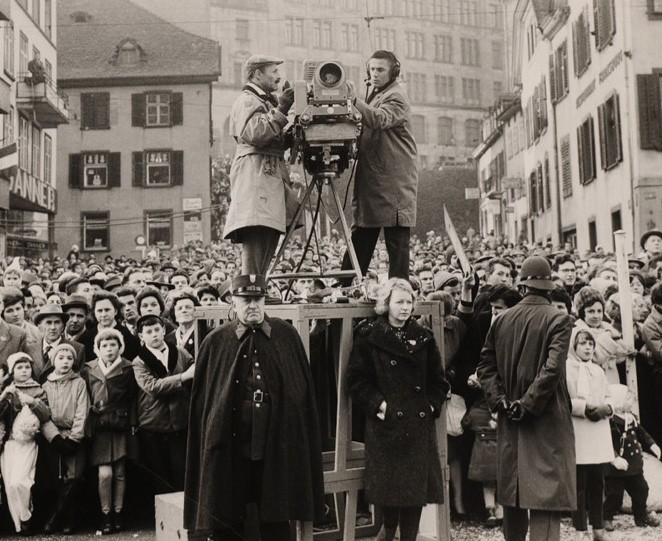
285, 99
503, 406
516, 411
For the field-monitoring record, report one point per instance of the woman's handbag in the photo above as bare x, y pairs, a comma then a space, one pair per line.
455, 410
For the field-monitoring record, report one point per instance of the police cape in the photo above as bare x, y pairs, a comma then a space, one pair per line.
293, 486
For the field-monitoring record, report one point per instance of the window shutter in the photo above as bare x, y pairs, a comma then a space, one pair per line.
103, 110
602, 130
575, 45
75, 171
138, 110
650, 111
536, 112
138, 168
541, 190
552, 78
564, 69
177, 108
581, 154
591, 149
618, 147
177, 168
566, 168
86, 111
596, 23
114, 170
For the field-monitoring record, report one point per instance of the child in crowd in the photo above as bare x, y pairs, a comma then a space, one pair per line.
112, 389
23, 409
589, 394
626, 472
69, 403
483, 465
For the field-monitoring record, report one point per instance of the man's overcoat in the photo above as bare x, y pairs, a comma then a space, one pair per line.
386, 180
524, 359
293, 486
258, 171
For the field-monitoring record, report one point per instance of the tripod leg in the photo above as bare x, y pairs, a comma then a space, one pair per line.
347, 234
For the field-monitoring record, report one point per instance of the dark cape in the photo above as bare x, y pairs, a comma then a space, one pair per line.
293, 484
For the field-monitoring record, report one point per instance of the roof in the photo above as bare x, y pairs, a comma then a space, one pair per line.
88, 50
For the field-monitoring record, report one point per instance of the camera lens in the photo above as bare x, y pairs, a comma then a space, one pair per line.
330, 74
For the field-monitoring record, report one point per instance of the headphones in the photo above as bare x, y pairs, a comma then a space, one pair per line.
395, 63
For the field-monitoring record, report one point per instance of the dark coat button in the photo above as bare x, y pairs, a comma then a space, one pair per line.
417, 388
393, 362
422, 415
400, 415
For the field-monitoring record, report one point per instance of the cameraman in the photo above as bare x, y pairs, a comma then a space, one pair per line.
386, 178
256, 216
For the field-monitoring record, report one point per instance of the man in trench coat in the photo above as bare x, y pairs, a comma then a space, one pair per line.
256, 216
522, 373
253, 428
386, 181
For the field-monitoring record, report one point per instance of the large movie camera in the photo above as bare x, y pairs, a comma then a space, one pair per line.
326, 125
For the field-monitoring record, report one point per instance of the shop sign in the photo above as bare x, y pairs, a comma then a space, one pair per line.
192, 207
33, 190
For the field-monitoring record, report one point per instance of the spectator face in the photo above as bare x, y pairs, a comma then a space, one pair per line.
427, 282
560, 306
636, 286
11, 279
180, 282
63, 362
400, 307
303, 285
609, 275
105, 313
456, 293
76, 321
231, 269
129, 310
498, 306
208, 299
249, 310
217, 277
184, 311
85, 289
500, 275
52, 328
593, 315
150, 306
109, 350
568, 273
640, 308
22, 371
153, 335
14, 314
54, 299
653, 245
203, 280
584, 348
273, 291
137, 280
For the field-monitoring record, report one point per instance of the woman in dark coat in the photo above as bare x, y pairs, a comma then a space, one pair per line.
395, 375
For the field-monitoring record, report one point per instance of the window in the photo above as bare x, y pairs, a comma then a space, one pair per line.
445, 131
95, 170
581, 40
385, 39
92, 170
157, 109
95, 110
128, 54
36, 152
650, 111
48, 159
413, 8
655, 6
533, 195
418, 127
36, 12
95, 231
566, 167
23, 143
558, 73
48, 68
592, 235
23, 54
158, 168
417, 86
293, 31
441, 10
470, 53
497, 55
48, 18
586, 151
158, 227
443, 49
495, 17
9, 48
242, 30
468, 12
384, 7
349, 36
471, 91
609, 124
539, 107
415, 44
8, 127
445, 88
472, 132
605, 23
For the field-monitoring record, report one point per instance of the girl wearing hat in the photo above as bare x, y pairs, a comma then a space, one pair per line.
23, 409
69, 403
112, 387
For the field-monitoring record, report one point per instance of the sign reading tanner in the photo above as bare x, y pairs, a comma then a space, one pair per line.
33, 190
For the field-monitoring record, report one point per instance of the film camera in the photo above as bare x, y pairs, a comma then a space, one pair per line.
326, 125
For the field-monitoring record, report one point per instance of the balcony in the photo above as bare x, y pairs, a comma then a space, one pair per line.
48, 107
5, 10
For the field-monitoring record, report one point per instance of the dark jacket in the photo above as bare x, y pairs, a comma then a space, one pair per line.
163, 400
524, 359
629, 444
293, 486
402, 459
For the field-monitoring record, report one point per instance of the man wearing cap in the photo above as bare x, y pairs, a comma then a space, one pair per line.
651, 243
254, 386
51, 320
77, 310
256, 216
522, 373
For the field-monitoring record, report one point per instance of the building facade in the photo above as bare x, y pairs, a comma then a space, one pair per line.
31, 108
588, 77
136, 154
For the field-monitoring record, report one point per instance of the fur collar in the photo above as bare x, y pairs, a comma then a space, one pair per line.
383, 336
156, 366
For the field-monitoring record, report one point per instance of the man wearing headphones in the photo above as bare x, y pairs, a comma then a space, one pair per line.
386, 180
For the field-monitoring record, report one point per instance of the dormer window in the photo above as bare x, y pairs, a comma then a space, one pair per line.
81, 17
127, 53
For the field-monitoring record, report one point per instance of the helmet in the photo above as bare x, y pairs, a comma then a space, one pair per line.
536, 273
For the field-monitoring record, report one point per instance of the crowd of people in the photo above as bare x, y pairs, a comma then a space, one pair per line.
97, 360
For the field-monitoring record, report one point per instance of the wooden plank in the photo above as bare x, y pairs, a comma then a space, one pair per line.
350, 516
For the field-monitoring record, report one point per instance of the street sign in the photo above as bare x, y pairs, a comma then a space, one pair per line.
472, 193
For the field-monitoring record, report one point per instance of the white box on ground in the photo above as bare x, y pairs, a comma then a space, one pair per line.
169, 514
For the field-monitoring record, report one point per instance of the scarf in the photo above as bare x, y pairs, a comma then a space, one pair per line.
107, 369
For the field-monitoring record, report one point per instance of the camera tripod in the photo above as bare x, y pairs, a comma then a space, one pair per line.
319, 180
